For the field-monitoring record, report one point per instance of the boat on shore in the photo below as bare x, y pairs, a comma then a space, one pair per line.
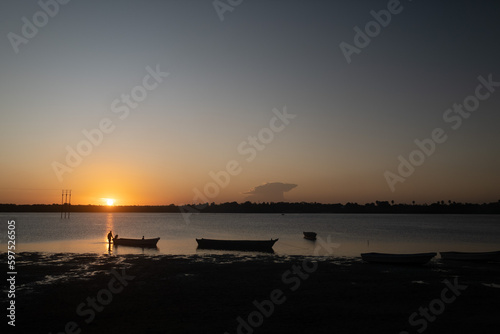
471, 256
144, 243
310, 235
244, 245
414, 259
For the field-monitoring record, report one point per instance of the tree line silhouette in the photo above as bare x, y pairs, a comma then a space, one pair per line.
439, 207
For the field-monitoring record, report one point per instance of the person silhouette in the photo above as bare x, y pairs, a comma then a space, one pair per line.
110, 236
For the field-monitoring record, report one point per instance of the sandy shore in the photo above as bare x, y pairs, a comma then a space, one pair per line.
89, 293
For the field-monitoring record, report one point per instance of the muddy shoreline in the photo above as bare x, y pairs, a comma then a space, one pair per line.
90, 293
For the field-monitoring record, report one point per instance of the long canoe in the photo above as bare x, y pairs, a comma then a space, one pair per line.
418, 258
247, 245
145, 243
471, 256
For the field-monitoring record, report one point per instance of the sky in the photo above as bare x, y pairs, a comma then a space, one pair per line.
160, 102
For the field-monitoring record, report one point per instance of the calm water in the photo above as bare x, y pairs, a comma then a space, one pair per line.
352, 233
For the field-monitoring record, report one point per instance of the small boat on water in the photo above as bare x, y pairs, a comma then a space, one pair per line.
471, 256
246, 245
418, 258
145, 243
310, 235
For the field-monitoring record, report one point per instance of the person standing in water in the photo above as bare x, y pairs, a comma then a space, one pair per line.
110, 236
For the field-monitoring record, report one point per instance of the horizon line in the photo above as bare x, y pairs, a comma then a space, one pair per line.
390, 203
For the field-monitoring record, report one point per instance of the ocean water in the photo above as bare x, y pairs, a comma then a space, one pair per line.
347, 234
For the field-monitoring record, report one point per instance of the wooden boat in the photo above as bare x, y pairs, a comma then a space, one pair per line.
419, 258
310, 235
471, 256
247, 245
145, 243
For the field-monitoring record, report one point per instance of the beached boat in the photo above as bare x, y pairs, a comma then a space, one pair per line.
247, 245
310, 235
419, 258
471, 256
145, 243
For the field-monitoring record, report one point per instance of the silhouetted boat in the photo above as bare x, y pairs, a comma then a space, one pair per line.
419, 258
145, 243
310, 235
471, 256
247, 245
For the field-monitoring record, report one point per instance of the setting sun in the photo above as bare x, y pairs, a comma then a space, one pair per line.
109, 201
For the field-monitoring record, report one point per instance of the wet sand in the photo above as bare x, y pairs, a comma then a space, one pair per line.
89, 293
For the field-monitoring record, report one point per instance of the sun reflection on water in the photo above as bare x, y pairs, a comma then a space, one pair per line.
109, 227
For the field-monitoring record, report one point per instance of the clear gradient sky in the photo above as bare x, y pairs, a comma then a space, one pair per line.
225, 77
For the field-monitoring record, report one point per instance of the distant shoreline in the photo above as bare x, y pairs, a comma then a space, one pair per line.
278, 208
